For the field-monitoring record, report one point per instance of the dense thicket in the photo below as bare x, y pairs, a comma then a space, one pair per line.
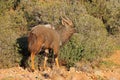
97, 23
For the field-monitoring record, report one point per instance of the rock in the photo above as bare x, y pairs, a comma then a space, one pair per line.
77, 76
57, 77
86, 68
98, 73
113, 78
72, 69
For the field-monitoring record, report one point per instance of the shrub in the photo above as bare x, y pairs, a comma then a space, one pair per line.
108, 12
91, 20
51, 12
12, 25
112, 17
91, 43
5, 5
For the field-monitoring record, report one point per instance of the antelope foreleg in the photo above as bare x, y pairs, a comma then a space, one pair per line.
56, 61
46, 58
45, 61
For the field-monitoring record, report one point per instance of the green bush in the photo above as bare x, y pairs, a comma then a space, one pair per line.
5, 5
71, 52
108, 12
12, 24
90, 43
96, 8
113, 17
91, 20
51, 12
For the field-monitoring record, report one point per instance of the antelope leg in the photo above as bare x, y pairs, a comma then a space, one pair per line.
32, 61
46, 58
57, 63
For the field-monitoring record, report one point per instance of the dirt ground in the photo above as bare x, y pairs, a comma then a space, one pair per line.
109, 70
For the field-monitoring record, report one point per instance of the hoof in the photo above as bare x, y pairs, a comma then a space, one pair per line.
31, 70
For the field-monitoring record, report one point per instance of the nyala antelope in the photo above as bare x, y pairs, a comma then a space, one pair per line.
45, 37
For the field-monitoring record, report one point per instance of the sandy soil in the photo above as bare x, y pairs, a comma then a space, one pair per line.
84, 72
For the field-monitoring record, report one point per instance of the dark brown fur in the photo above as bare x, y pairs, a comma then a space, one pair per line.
42, 37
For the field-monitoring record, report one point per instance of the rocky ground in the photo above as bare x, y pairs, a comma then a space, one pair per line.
108, 70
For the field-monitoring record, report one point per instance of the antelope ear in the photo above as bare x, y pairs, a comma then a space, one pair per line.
66, 22
63, 22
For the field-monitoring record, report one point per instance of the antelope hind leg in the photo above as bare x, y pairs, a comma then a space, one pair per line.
32, 61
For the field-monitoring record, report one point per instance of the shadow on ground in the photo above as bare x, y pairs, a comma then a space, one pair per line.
23, 50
